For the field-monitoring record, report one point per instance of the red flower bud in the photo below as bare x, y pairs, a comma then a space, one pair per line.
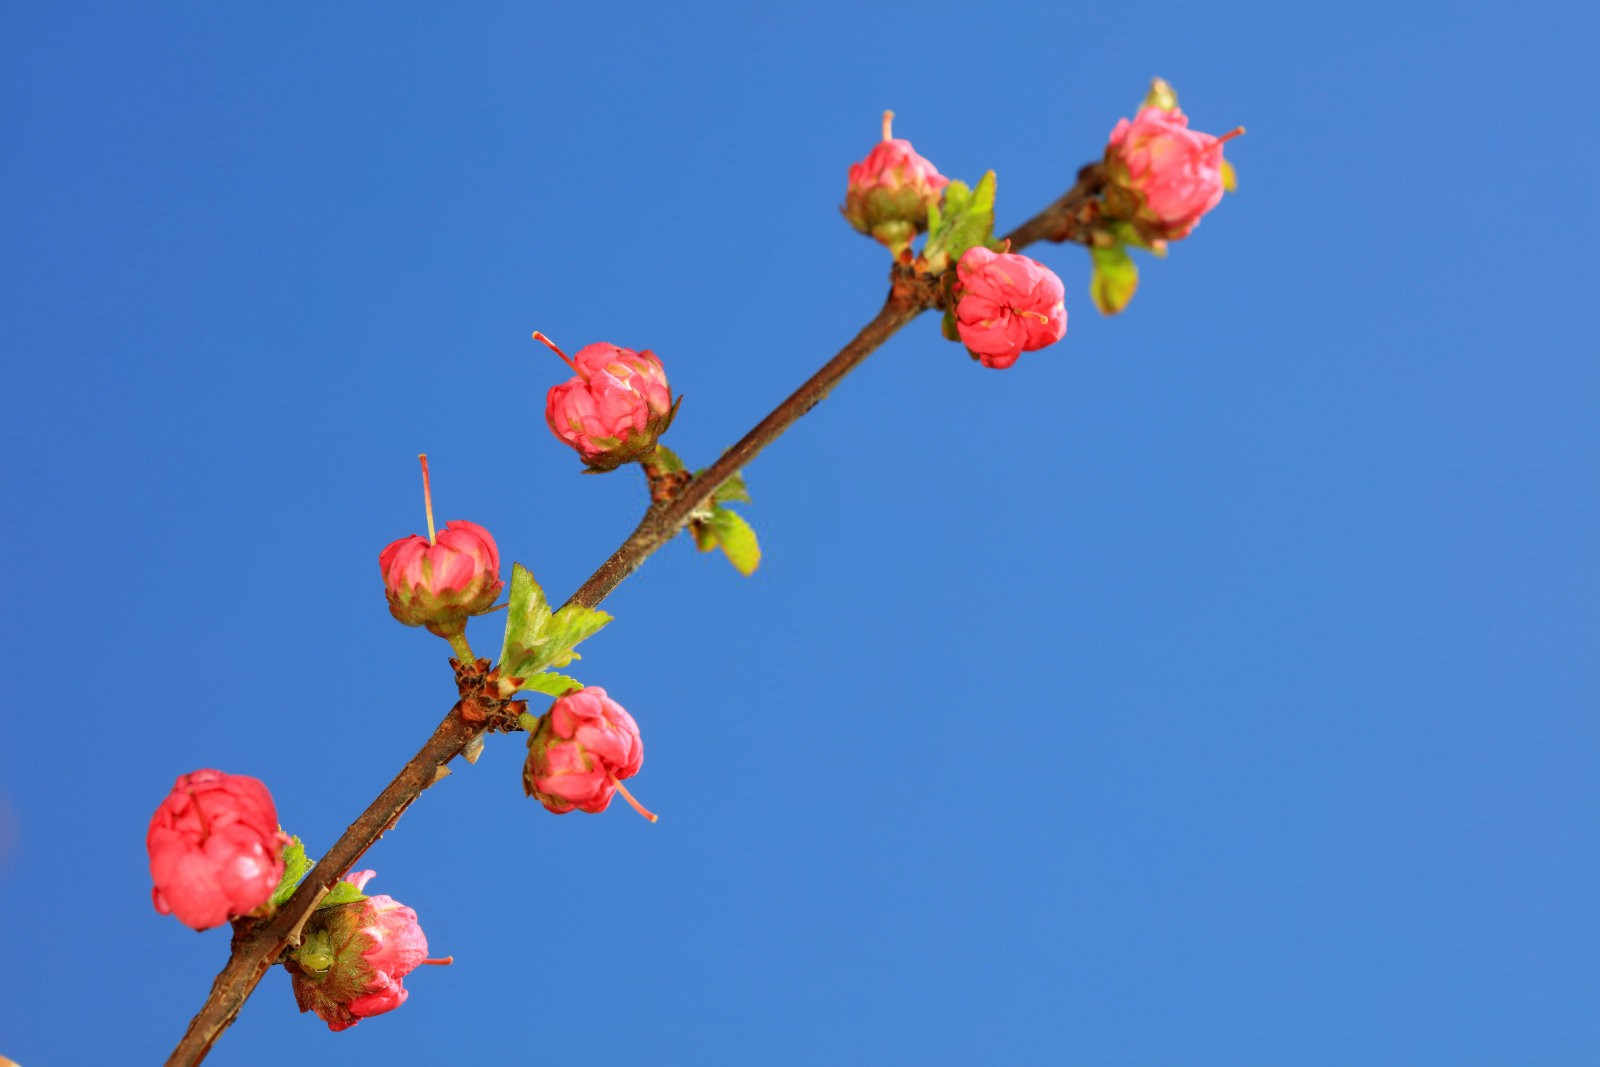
354, 957
890, 191
1162, 175
216, 852
616, 407
1008, 304
578, 754
438, 585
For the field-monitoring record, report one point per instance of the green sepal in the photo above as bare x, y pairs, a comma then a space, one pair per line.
342, 893
1230, 180
665, 458
1161, 95
966, 219
549, 683
947, 325
536, 638
295, 865
1114, 279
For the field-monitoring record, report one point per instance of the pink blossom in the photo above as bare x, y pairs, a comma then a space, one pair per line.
616, 407
583, 746
438, 585
354, 958
889, 192
216, 852
1008, 304
1163, 174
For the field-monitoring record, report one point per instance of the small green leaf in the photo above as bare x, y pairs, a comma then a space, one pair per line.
527, 614
571, 625
967, 220
705, 538
732, 489
738, 540
295, 865
550, 683
342, 893
1115, 278
1230, 180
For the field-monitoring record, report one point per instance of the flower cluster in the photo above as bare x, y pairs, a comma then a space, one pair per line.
1161, 175
614, 409
216, 852
354, 958
1007, 305
439, 582
580, 751
890, 191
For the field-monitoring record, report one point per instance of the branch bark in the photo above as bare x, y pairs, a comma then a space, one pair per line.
258, 944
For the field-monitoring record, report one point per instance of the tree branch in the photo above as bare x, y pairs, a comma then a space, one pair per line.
258, 944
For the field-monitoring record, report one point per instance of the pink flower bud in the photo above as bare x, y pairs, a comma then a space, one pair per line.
616, 407
354, 957
1162, 175
581, 749
216, 852
438, 585
1007, 305
890, 191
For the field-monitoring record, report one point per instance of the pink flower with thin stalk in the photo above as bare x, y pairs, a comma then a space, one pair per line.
216, 852
439, 580
354, 957
890, 191
1007, 305
615, 408
1162, 175
579, 753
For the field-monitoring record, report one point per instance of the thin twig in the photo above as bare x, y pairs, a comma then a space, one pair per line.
257, 945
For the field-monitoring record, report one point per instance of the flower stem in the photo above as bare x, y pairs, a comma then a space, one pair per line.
462, 649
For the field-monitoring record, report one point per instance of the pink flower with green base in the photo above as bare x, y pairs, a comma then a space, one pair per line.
1161, 175
616, 407
216, 852
889, 192
440, 580
580, 750
354, 957
1006, 305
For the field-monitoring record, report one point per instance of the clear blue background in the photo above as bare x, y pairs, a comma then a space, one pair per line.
1216, 687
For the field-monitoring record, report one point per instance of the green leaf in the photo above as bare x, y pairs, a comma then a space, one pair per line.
342, 893
1230, 180
1115, 278
732, 489
550, 683
527, 614
705, 538
572, 624
295, 865
535, 638
738, 540
967, 220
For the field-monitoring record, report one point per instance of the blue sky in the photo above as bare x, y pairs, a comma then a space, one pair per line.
1217, 686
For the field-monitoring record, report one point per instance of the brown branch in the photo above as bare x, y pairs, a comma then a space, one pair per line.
258, 944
